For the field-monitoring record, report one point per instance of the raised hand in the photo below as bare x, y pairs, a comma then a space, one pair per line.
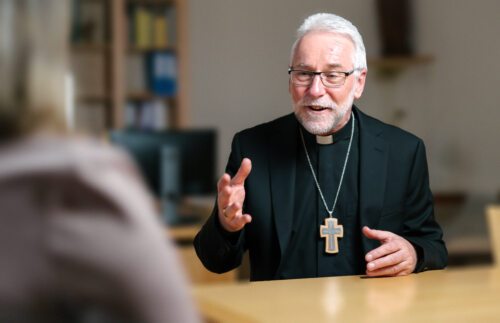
395, 257
231, 196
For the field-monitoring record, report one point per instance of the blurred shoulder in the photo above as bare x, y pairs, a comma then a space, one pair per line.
51, 153
76, 166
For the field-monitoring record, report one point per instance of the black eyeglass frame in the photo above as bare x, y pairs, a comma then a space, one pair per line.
346, 74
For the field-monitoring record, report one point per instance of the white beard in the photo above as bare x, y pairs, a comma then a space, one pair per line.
325, 123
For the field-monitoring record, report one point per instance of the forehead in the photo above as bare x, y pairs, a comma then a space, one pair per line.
320, 49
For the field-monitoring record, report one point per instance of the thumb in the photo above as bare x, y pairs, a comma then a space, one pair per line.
376, 234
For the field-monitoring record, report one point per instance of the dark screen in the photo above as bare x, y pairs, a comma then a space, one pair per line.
196, 151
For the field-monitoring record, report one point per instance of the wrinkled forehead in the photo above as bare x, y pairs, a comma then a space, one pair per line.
323, 48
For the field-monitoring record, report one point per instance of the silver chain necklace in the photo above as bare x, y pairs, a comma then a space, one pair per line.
330, 212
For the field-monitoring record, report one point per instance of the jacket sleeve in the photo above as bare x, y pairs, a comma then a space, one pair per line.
420, 227
221, 251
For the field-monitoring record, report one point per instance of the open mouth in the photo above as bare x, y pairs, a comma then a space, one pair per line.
316, 108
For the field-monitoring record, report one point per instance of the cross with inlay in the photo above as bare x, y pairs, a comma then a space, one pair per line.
331, 231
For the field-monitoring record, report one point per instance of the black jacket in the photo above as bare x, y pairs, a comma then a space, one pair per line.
394, 196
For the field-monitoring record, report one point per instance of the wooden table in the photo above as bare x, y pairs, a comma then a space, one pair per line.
454, 295
197, 274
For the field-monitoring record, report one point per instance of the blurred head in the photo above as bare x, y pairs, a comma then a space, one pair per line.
33, 66
330, 44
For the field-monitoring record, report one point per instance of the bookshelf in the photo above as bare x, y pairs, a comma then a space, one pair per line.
89, 53
101, 62
119, 50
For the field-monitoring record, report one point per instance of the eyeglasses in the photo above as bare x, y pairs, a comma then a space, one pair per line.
329, 79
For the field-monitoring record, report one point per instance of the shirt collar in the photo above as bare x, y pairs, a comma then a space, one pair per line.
343, 134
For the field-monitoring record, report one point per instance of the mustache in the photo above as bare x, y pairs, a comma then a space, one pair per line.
321, 102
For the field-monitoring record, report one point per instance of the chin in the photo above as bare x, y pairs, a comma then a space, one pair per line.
316, 125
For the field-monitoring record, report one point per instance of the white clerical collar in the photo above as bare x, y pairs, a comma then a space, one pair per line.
324, 140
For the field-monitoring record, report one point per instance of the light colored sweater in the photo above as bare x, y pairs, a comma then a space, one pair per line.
80, 237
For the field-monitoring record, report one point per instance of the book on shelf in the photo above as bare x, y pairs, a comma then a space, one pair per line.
88, 23
136, 73
162, 73
151, 27
143, 28
149, 115
153, 74
160, 31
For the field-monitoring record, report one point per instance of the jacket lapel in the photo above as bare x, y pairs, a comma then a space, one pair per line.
373, 172
282, 164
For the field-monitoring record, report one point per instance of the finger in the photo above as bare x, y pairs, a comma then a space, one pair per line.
223, 182
376, 234
243, 171
383, 250
231, 211
237, 223
224, 197
386, 261
240, 220
399, 269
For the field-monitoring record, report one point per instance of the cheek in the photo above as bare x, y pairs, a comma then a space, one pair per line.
339, 95
335, 95
297, 93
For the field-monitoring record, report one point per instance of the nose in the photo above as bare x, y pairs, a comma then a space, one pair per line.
317, 89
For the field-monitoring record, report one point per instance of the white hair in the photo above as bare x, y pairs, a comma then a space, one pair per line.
335, 24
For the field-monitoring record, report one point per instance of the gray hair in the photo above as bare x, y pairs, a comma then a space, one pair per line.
33, 65
335, 24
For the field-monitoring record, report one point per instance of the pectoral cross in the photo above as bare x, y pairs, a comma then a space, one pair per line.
331, 231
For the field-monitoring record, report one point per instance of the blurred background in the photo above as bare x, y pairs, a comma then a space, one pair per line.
191, 68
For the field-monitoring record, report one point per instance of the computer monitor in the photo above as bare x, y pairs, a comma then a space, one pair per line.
174, 163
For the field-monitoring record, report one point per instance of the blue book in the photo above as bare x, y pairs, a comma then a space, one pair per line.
162, 73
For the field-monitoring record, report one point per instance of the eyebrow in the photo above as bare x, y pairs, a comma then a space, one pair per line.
329, 66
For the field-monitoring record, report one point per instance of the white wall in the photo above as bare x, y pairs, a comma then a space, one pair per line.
239, 56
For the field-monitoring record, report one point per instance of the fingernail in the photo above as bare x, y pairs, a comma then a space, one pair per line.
369, 258
371, 265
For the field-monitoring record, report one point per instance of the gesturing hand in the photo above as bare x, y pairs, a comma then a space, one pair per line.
395, 257
231, 195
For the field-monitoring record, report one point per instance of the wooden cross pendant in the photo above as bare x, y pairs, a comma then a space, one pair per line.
331, 231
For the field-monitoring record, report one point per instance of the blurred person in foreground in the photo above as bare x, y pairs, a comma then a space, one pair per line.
80, 240
328, 190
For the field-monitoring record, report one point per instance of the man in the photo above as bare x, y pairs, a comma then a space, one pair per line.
327, 190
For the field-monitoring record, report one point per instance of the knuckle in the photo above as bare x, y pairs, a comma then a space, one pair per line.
238, 222
375, 253
394, 246
399, 257
229, 214
378, 264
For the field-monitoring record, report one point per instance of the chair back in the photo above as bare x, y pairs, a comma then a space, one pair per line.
493, 217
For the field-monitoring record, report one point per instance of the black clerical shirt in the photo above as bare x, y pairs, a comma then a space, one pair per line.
306, 256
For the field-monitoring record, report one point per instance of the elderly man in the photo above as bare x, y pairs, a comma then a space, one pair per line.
328, 190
